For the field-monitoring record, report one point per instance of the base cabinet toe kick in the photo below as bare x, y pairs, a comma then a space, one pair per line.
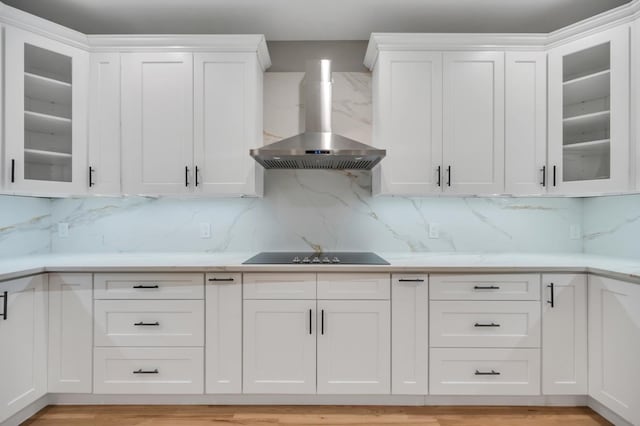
323, 338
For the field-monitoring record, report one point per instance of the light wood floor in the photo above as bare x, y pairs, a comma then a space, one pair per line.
163, 415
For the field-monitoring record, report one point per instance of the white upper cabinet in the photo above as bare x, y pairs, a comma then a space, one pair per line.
473, 122
228, 123
526, 123
589, 114
635, 101
407, 122
104, 124
157, 123
46, 100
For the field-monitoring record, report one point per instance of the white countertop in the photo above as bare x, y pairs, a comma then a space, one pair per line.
624, 269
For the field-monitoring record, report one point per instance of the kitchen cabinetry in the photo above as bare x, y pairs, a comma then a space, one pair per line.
23, 333
589, 113
614, 345
409, 334
564, 334
526, 123
223, 357
46, 102
70, 333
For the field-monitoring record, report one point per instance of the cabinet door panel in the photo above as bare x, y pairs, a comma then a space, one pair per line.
526, 123
408, 122
279, 346
157, 122
354, 347
474, 122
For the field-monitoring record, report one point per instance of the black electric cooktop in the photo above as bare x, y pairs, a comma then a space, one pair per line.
311, 258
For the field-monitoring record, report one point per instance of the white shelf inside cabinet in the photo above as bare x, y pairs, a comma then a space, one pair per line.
39, 156
589, 147
589, 87
47, 89
45, 123
587, 123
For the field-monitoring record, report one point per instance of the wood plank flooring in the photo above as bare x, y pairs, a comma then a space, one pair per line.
201, 415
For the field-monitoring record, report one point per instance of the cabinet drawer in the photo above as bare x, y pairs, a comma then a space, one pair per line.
484, 372
279, 286
149, 286
485, 287
485, 324
149, 323
148, 371
354, 286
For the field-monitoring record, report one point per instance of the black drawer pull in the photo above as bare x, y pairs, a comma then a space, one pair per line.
486, 287
407, 280
5, 303
222, 279
146, 286
487, 373
141, 371
493, 324
147, 324
552, 302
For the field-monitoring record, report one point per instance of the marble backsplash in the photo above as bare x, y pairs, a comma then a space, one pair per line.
612, 226
24, 226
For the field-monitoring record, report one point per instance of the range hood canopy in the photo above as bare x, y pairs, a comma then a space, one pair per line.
318, 147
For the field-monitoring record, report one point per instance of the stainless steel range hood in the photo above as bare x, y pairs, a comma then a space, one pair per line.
318, 147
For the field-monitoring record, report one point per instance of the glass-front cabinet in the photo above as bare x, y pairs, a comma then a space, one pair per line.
45, 115
589, 114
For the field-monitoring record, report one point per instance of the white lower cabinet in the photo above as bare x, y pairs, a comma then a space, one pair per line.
23, 343
484, 371
148, 370
354, 352
409, 334
223, 347
614, 345
279, 346
564, 334
70, 333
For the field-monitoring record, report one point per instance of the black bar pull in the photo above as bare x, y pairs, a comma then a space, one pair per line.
146, 286
487, 373
310, 313
552, 301
486, 287
197, 170
5, 303
141, 371
479, 324
147, 324
544, 176
449, 176
554, 175
13, 170
186, 176
91, 170
322, 322
222, 279
439, 183
412, 280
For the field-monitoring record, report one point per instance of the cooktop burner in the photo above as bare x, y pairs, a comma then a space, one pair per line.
311, 258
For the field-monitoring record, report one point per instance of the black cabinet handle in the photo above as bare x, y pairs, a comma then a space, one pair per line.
322, 322
141, 371
197, 171
486, 287
5, 303
222, 279
439, 175
552, 301
479, 324
91, 170
544, 176
310, 313
146, 286
487, 373
449, 176
147, 324
13, 170
186, 176
554, 175
414, 280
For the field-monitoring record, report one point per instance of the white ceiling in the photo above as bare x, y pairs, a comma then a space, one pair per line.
313, 19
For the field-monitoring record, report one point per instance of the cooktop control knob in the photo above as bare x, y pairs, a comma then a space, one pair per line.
306, 260
296, 259
316, 259
326, 260
335, 259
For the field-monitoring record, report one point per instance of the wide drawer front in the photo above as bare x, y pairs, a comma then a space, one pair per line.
484, 287
149, 323
371, 286
485, 324
484, 372
279, 286
148, 371
149, 286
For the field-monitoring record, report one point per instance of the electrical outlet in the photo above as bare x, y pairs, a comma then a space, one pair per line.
63, 230
575, 233
434, 230
205, 230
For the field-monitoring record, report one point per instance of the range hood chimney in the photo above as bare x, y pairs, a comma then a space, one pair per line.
318, 147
